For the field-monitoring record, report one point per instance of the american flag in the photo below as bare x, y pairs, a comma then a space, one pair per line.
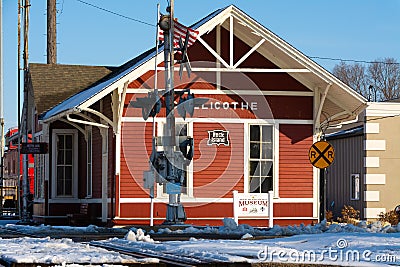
180, 31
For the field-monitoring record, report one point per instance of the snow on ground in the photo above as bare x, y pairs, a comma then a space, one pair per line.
338, 244
230, 227
59, 251
354, 249
138, 236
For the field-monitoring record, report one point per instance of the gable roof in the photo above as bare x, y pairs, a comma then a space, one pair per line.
341, 103
80, 98
54, 83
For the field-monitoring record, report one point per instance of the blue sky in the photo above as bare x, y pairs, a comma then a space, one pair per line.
356, 29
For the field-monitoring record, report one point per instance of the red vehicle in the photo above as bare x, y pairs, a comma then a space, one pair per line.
11, 175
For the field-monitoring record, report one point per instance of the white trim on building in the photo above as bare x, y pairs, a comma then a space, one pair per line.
373, 213
375, 178
371, 128
371, 196
371, 162
74, 133
376, 145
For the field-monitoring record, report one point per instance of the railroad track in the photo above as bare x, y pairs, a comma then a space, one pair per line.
76, 237
11, 233
167, 259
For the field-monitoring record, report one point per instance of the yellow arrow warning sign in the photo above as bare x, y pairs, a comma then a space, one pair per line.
321, 154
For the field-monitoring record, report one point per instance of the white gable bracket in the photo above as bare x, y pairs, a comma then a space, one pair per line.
86, 122
122, 101
321, 104
101, 115
212, 51
117, 105
75, 126
254, 48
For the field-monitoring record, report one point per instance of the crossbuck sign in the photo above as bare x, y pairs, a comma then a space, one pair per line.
321, 154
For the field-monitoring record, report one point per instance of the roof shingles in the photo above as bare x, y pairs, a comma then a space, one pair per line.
54, 83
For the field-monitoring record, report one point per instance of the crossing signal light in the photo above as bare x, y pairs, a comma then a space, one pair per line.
187, 152
181, 108
187, 104
150, 105
160, 165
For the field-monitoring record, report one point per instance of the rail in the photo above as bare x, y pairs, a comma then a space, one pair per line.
169, 260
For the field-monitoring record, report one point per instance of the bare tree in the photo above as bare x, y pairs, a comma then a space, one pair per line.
384, 75
353, 75
379, 82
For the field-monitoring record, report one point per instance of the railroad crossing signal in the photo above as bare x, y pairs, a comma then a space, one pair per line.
321, 154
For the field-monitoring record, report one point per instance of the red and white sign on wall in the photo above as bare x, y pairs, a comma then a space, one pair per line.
253, 205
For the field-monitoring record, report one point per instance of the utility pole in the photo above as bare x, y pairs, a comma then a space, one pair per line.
19, 109
51, 32
25, 182
1, 110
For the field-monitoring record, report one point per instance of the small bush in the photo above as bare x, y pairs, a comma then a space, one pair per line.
329, 216
390, 217
349, 215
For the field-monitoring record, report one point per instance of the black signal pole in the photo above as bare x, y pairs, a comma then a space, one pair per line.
175, 211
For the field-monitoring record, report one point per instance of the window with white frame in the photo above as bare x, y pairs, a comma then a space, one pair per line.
260, 159
65, 163
39, 172
181, 129
89, 178
355, 186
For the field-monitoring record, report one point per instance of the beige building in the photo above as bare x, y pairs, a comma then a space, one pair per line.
382, 158
366, 170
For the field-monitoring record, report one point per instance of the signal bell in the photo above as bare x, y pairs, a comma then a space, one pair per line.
164, 23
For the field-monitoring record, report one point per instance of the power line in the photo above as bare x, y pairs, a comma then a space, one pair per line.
315, 57
117, 14
357, 61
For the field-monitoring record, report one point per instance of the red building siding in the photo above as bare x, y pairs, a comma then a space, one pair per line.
295, 171
217, 170
135, 153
